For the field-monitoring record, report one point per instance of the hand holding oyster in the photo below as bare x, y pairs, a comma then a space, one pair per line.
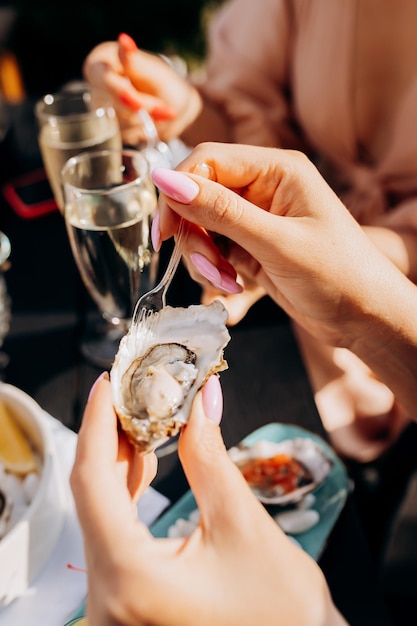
160, 367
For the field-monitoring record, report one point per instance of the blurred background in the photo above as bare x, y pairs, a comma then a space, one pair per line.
43, 45
50, 39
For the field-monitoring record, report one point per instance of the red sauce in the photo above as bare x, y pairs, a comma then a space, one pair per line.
281, 470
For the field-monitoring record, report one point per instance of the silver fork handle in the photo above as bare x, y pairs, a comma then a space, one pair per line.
158, 152
149, 128
174, 260
166, 279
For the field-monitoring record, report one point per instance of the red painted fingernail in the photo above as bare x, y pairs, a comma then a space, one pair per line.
127, 42
130, 101
160, 113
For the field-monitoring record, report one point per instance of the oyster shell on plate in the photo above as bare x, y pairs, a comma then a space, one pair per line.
160, 367
282, 473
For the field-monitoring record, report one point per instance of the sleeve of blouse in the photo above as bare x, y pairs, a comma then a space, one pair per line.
249, 68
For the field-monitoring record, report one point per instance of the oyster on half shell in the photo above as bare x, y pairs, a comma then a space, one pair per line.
159, 369
285, 472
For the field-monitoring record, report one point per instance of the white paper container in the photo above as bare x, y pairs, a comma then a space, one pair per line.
26, 548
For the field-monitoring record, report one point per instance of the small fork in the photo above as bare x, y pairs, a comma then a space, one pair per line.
157, 152
148, 305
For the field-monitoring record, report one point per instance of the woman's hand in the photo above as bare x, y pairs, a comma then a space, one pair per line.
286, 228
237, 567
135, 79
289, 233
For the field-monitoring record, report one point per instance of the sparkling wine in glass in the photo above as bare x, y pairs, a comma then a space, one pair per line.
109, 202
70, 122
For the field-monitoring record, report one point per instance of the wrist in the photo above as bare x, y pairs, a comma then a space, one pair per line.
383, 333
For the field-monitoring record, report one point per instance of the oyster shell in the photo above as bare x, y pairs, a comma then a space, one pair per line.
303, 463
158, 370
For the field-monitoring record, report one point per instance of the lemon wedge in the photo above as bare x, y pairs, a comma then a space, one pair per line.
16, 453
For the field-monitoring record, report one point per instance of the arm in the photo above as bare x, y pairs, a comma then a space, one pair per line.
385, 334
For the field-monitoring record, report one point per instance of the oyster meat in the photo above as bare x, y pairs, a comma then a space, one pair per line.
158, 370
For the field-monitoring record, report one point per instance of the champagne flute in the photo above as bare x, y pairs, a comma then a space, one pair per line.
109, 202
5, 304
70, 122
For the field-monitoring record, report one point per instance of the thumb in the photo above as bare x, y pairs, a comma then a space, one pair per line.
213, 477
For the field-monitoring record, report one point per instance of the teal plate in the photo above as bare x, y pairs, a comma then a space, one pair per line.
330, 497
79, 612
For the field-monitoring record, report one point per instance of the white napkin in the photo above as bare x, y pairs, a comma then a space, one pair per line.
58, 590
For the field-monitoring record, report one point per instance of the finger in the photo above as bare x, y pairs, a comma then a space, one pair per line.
213, 477
100, 63
104, 70
280, 181
145, 70
147, 73
127, 96
171, 225
255, 169
201, 255
98, 492
237, 305
234, 166
139, 470
99, 418
209, 277
214, 207
127, 101
279, 184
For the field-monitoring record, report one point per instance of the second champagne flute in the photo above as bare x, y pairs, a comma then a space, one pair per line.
71, 122
109, 204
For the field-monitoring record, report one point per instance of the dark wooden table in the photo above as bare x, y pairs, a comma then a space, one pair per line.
266, 381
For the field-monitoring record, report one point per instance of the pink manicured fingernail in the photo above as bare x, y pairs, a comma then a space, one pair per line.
205, 267
103, 376
156, 232
176, 185
213, 400
228, 283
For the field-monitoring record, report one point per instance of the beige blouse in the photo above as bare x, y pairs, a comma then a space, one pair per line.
282, 70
